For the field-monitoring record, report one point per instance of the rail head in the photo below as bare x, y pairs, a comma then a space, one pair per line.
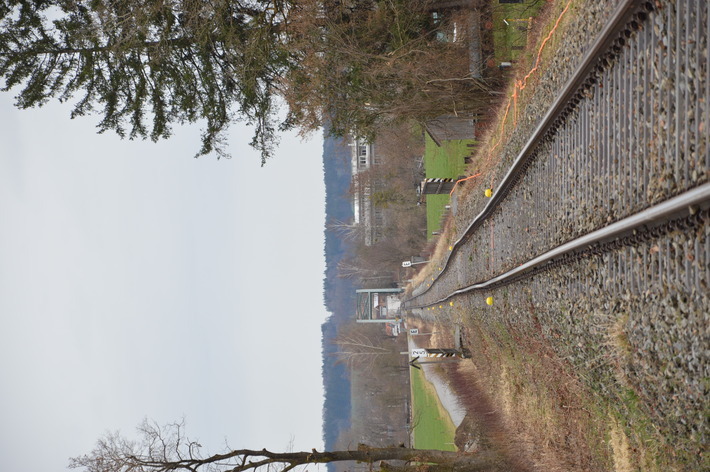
678, 207
602, 48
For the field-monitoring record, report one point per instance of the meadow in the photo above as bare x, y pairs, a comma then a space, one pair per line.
432, 425
445, 161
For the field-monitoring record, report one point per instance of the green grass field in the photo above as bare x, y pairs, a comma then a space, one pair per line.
433, 428
509, 39
441, 162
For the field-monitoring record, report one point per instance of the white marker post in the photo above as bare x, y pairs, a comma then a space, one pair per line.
419, 353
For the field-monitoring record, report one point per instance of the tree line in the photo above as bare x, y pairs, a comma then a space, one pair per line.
145, 66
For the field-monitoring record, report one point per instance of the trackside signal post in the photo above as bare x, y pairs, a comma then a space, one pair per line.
441, 354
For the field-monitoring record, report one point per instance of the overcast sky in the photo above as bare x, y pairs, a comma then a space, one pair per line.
137, 281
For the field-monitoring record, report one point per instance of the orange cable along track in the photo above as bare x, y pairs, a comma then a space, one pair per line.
519, 86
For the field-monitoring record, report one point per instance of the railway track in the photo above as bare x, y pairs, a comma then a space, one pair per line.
601, 224
627, 132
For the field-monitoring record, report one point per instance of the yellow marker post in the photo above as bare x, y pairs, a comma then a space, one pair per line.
451, 303
488, 193
489, 301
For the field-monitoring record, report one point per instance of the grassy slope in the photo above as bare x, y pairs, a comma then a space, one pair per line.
433, 428
448, 160
441, 162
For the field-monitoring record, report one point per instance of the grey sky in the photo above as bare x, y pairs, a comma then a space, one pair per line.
136, 281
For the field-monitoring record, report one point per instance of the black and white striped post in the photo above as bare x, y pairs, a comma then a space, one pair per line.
437, 356
437, 186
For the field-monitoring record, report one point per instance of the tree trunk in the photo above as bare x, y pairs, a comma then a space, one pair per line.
438, 460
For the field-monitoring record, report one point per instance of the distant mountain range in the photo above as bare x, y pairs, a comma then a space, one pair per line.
339, 294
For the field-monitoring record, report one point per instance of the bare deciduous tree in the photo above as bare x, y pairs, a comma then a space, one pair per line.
371, 64
163, 449
348, 231
363, 345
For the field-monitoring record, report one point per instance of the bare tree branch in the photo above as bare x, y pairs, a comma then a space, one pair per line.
175, 452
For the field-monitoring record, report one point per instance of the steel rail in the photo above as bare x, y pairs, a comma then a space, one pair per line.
657, 215
599, 50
